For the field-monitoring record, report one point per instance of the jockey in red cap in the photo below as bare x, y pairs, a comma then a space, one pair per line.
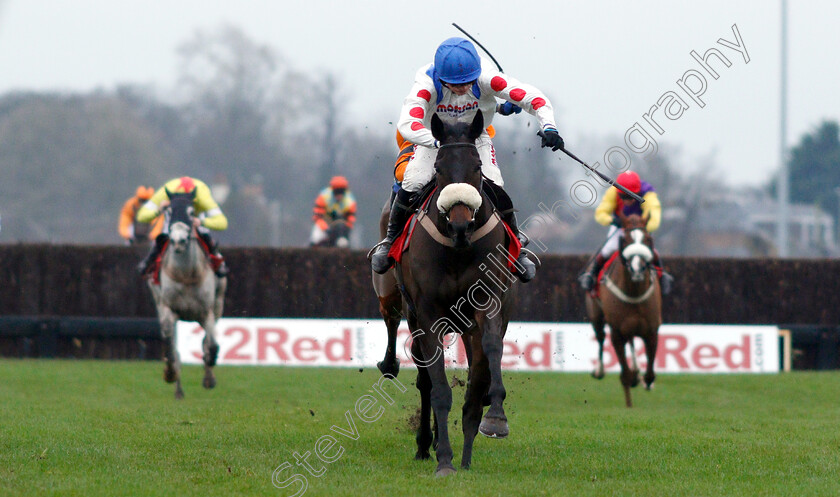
208, 215
334, 203
606, 213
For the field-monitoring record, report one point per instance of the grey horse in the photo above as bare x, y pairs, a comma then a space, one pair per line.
188, 291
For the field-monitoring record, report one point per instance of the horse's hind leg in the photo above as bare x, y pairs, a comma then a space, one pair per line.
424, 429
600, 335
389, 307
478, 384
210, 347
634, 363
596, 317
651, 342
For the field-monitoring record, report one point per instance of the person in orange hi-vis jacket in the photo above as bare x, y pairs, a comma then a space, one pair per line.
129, 228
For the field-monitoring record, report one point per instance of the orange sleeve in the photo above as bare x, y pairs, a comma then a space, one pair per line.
127, 213
320, 210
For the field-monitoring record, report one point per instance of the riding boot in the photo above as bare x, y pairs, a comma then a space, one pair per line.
216, 257
401, 209
666, 281
525, 267
146, 264
587, 279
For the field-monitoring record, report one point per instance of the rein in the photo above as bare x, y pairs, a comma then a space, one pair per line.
458, 144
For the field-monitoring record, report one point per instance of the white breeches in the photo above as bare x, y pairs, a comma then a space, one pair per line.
611, 245
318, 235
421, 168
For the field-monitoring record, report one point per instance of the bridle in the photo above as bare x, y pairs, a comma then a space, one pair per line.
637, 249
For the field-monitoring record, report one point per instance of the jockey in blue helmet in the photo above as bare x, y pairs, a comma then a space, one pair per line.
455, 87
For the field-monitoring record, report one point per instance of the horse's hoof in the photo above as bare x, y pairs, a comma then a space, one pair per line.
494, 427
169, 375
649, 386
445, 470
391, 369
598, 375
209, 382
179, 395
422, 455
635, 382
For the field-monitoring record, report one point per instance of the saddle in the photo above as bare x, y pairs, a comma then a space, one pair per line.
596, 289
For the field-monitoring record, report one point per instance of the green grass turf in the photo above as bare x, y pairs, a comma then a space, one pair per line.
113, 428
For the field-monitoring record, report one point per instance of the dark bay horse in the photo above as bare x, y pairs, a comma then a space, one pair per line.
629, 302
456, 280
189, 290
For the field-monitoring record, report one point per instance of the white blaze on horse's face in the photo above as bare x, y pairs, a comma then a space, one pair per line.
638, 255
455, 193
179, 236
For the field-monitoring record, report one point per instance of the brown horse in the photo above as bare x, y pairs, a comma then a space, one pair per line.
456, 280
630, 302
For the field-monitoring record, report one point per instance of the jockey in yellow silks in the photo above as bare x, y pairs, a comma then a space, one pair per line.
607, 214
208, 215
334, 203
455, 87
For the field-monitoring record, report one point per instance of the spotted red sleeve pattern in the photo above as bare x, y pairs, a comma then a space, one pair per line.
417, 109
532, 100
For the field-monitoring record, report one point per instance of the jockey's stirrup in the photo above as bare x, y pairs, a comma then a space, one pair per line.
587, 279
144, 266
525, 267
380, 262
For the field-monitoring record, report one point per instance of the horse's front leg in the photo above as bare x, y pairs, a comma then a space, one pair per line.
172, 371
440, 399
424, 385
651, 342
390, 307
494, 424
627, 375
210, 346
478, 384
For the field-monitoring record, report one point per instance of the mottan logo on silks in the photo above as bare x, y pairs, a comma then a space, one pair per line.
457, 110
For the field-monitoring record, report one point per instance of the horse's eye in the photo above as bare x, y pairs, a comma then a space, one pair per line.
190, 211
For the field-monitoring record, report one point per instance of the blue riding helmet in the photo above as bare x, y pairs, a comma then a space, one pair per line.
457, 62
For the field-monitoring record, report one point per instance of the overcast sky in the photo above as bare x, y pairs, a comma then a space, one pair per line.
603, 63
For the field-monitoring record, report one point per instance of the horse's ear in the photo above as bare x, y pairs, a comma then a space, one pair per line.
437, 127
477, 126
645, 219
192, 193
168, 193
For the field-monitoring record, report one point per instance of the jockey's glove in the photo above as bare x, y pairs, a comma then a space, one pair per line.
551, 138
508, 108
